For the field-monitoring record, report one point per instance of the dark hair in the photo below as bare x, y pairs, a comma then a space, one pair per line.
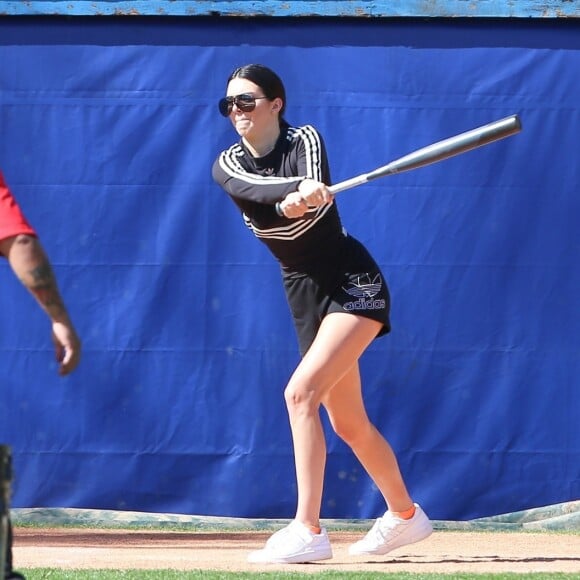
266, 79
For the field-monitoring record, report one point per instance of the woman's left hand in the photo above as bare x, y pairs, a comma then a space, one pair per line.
294, 205
315, 193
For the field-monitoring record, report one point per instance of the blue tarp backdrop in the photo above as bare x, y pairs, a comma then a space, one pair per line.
108, 131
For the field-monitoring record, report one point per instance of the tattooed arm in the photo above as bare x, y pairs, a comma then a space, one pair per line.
32, 267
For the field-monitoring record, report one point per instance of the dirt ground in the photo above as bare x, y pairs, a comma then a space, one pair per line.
444, 552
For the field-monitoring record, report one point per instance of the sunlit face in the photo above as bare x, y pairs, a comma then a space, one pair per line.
254, 124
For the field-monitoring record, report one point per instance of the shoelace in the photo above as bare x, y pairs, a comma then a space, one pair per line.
382, 526
280, 536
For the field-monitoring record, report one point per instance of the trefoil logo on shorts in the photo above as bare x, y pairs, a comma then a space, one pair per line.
365, 290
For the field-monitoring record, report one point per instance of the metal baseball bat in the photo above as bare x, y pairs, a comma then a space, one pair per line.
439, 151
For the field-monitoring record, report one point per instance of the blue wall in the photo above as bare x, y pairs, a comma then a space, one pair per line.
109, 128
294, 8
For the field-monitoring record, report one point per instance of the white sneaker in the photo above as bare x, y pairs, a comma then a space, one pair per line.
390, 532
294, 544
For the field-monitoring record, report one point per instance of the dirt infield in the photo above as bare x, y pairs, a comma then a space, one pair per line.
444, 552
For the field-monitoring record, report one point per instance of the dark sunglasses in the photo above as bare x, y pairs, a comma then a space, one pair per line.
244, 102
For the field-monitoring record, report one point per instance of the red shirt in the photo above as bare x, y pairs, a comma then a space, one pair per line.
12, 220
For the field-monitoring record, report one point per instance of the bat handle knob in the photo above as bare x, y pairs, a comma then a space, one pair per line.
278, 209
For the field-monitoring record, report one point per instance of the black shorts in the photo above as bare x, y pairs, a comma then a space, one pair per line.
351, 282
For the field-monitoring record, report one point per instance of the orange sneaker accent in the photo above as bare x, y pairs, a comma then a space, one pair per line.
407, 514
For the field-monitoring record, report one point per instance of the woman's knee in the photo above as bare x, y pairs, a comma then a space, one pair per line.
354, 432
301, 398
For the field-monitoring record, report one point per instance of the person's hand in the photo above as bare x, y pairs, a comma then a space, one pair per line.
310, 194
294, 205
67, 347
315, 193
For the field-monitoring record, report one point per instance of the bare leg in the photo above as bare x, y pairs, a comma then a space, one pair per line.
341, 340
350, 421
